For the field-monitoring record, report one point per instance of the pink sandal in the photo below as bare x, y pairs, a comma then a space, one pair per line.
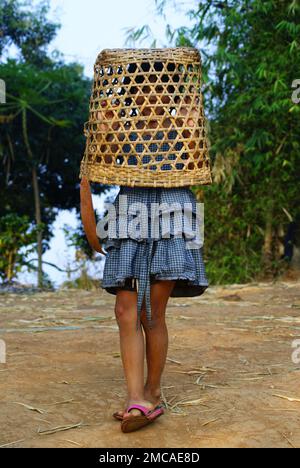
118, 416
133, 423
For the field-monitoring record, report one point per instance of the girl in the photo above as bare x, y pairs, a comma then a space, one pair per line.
143, 273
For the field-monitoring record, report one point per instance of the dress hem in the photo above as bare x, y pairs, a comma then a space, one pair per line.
189, 289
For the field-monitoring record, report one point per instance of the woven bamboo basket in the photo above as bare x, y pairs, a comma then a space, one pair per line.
146, 124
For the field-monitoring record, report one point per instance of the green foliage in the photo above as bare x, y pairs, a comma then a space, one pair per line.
54, 101
41, 126
27, 28
251, 54
17, 241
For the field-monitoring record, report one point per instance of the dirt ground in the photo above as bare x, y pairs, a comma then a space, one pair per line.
228, 373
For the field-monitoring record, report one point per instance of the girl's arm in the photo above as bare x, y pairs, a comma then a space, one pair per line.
88, 215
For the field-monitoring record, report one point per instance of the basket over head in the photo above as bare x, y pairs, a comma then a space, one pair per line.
146, 123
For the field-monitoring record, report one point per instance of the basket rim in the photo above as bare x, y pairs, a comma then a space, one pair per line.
189, 48
188, 53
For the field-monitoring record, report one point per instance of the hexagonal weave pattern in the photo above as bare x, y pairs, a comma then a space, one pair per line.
146, 122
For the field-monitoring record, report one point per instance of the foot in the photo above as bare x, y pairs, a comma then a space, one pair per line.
137, 412
152, 396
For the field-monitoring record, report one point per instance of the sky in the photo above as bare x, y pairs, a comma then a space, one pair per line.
87, 27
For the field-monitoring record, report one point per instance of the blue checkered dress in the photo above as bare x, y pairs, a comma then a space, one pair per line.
171, 252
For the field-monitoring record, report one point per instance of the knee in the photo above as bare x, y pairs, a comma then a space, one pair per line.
124, 315
158, 314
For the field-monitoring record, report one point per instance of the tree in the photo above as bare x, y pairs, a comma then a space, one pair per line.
41, 126
41, 144
27, 28
250, 53
17, 239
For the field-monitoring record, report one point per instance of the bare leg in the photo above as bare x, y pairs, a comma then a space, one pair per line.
132, 349
156, 339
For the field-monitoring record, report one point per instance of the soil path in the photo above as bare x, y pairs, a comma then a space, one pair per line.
229, 366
